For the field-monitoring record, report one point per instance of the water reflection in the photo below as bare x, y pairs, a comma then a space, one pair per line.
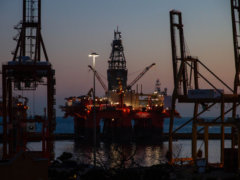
121, 155
111, 155
145, 155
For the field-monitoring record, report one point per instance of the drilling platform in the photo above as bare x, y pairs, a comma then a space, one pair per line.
123, 114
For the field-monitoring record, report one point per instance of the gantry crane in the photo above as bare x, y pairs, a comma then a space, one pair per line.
25, 72
185, 69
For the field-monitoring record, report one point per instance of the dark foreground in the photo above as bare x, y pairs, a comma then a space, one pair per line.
163, 171
65, 168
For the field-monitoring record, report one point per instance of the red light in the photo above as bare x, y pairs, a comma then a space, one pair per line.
88, 111
124, 110
143, 114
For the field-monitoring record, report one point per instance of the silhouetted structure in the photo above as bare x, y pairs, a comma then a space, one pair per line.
187, 89
117, 70
26, 72
123, 114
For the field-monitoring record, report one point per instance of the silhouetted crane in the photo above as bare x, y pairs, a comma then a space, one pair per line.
140, 75
99, 79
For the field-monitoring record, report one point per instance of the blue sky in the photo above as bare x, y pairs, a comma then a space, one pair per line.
73, 28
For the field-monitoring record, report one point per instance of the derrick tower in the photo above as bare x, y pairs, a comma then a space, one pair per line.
117, 70
26, 72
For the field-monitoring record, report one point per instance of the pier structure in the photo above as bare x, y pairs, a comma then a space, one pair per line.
188, 88
26, 72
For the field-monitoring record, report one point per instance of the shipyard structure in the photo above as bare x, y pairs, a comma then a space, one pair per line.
122, 114
29, 70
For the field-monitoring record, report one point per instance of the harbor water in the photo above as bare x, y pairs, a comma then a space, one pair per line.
141, 154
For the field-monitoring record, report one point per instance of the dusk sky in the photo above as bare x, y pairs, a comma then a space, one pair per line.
72, 29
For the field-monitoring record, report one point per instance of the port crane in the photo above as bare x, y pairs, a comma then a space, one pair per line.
26, 72
185, 69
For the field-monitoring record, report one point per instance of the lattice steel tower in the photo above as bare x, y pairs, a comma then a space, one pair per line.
25, 72
29, 40
117, 70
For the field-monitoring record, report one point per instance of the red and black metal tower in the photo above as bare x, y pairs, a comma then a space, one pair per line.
117, 70
27, 71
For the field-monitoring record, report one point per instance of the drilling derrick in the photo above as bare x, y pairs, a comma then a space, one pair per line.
117, 70
26, 72
158, 86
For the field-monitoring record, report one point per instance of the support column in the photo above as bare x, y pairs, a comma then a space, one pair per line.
194, 132
50, 121
13, 142
238, 149
233, 130
222, 132
4, 96
206, 142
170, 147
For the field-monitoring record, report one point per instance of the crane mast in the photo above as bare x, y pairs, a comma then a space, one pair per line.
29, 40
235, 9
176, 23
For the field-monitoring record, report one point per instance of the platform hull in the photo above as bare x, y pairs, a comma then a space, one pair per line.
115, 127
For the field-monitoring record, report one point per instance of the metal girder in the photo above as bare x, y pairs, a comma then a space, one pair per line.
26, 66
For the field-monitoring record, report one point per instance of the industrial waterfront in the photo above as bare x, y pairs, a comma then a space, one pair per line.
79, 105
152, 153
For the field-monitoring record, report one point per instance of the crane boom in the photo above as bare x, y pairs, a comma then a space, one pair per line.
140, 75
99, 79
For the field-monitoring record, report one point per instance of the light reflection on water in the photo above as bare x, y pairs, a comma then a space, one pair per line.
110, 155
144, 155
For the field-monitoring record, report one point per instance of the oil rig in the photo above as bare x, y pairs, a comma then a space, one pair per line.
122, 114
